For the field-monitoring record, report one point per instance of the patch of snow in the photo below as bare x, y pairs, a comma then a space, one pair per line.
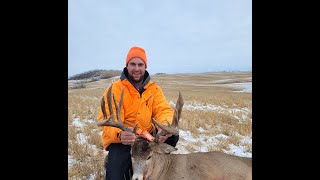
81, 138
221, 136
71, 161
200, 129
76, 122
238, 151
203, 142
90, 121
246, 86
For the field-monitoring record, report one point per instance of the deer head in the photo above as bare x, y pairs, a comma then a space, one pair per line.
143, 152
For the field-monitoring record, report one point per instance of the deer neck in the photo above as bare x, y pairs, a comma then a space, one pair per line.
161, 164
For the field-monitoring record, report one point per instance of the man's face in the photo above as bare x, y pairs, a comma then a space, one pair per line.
136, 69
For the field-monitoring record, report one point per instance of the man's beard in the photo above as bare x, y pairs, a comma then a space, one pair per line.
137, 81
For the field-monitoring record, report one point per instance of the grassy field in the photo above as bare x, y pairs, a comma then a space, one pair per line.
216, 116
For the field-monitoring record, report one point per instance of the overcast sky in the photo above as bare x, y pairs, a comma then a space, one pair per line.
179, 36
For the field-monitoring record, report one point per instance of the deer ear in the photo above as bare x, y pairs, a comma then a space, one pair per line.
157, 148
166, 148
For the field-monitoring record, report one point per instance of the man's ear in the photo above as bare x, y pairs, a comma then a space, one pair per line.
162, 148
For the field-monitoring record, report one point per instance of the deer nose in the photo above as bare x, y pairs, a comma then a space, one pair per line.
138, 177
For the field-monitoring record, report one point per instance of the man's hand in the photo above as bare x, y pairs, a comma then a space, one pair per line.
163, 138
127, 138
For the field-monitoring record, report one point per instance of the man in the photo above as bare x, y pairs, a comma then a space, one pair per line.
143, 100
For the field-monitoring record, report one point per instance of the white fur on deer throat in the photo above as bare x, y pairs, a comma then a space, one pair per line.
140, 168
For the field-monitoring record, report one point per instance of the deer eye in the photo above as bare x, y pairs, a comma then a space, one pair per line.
148, 157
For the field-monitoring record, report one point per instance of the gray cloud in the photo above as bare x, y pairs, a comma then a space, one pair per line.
178, 36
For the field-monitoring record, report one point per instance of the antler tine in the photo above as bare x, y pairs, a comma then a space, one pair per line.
172, 128
135, 128
178, 110
121, 99
110, 121
109, 101
153, 130
118, 106
103, 108
166, 129
117, 109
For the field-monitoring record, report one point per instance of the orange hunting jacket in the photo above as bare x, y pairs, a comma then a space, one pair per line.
135, 108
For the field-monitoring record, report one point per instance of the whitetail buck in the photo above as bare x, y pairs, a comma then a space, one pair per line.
152, 160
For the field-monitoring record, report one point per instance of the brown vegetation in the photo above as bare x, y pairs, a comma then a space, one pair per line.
85, 151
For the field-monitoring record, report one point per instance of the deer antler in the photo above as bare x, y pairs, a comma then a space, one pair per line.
110, 121
172, 128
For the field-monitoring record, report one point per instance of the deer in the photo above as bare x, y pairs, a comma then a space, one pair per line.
154, 161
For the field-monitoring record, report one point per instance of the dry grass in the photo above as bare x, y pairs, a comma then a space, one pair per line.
202, 89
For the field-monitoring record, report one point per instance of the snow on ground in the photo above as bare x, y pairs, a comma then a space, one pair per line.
81, 138
71, 161
245, 86
202, 143
205, 142
211, 107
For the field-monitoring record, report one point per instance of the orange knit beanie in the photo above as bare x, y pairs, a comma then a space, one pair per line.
136, 51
